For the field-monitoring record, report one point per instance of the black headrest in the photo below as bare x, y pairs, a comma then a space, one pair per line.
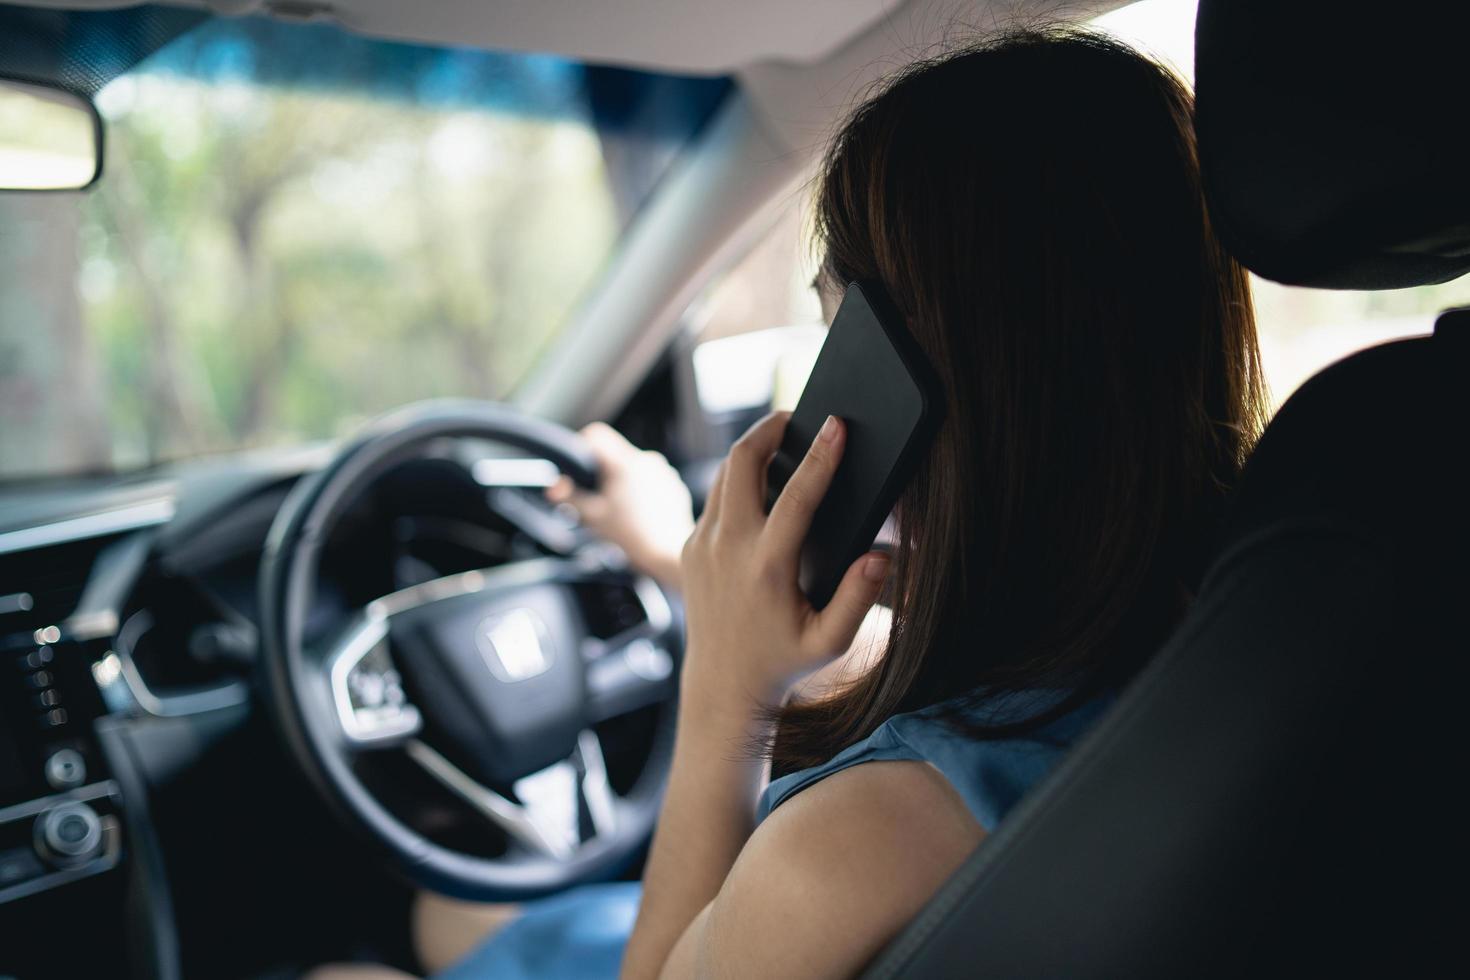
1333, 138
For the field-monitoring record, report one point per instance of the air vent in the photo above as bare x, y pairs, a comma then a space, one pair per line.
193, 641
52, 578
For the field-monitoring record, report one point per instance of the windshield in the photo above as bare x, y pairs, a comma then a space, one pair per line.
298, 228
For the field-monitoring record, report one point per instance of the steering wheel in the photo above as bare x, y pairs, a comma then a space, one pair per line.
490, 680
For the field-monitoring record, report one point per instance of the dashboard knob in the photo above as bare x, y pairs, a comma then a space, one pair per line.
69, 833
66, 769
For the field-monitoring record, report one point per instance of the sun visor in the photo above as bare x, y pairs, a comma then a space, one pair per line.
1334, 138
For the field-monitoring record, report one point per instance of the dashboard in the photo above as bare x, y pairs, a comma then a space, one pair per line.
138, 769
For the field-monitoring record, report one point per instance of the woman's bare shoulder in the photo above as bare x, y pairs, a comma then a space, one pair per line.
832, 874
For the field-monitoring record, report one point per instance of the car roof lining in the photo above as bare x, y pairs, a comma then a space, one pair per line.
83, 50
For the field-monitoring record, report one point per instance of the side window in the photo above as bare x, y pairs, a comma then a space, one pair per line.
1304, 330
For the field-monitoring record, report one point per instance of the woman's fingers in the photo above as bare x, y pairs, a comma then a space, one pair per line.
791, 517
592, 508
560, 492
607, 443
744, 491
609, 449
566, 493
832, 630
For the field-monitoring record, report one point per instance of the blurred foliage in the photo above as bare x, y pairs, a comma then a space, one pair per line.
298, 228
268, 265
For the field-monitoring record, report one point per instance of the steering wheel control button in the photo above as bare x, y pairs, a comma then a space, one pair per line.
650, 662
65, 769
368, 692
69, 834
367, 689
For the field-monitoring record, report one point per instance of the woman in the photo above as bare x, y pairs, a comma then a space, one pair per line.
1033, 207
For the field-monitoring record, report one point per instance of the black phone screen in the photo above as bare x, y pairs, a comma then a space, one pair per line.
872, 375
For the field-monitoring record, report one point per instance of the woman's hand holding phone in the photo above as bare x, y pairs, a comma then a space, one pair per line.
751, 630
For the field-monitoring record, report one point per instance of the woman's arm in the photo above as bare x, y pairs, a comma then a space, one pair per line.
831, 876
708, 814
751, 633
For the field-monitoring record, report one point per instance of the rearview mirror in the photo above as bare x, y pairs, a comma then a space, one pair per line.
50, 139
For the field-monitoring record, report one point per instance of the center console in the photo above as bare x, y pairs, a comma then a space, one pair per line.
59, 810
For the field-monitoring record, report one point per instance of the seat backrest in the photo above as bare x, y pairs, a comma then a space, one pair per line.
1278, 789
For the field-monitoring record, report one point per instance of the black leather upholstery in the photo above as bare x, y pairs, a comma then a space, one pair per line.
1279, 790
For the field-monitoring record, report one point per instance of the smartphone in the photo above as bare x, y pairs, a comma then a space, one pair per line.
871, 374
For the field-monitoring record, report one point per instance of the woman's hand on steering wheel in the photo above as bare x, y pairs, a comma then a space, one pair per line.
641, 504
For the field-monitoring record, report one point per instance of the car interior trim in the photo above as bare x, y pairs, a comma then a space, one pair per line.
535, 822
150, 513
104, 855
510, 817
123, 687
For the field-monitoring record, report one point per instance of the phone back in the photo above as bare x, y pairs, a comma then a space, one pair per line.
872, 375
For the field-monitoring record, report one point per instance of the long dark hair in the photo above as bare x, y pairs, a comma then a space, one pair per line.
1032, 204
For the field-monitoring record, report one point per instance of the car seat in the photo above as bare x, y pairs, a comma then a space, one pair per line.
1278, 790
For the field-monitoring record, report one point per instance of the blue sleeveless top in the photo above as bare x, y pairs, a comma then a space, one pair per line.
580, 934
991, 776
